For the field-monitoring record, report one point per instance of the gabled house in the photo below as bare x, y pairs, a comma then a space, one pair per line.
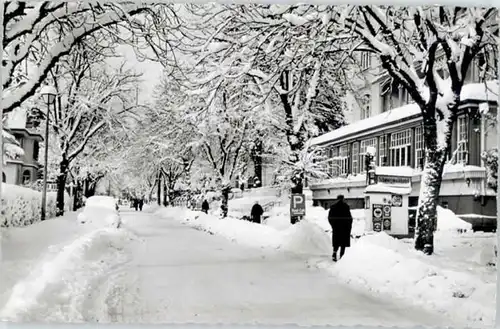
22, 170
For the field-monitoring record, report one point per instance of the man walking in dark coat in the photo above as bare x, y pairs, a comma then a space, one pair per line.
256, 212
340, 220
204, 206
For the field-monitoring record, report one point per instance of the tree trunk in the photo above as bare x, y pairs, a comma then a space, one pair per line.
225, 201
61, 185
430, 185
150, 194
90, 189
76, 193
165, 192
170, 193
256, 155
86, 187
158, 191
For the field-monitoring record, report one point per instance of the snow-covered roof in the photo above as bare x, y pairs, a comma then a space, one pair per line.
382, 188
394, 171
371, 122
473, 91
16, 119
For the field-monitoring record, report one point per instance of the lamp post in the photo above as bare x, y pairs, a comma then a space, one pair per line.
48, 94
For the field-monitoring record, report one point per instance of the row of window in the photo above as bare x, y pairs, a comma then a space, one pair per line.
396, 149
26, 177
389, 100
36, 146
393, 95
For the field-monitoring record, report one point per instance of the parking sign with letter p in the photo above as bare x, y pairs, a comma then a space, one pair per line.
298, 205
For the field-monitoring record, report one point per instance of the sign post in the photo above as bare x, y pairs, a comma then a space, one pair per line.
377, 217
297, 207
386, 217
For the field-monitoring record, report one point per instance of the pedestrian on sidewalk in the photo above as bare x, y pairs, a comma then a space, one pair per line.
136, 204
141, 204
205, 206
256, 212
340, 220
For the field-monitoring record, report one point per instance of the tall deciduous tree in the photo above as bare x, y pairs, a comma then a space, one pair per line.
409, 43
288, 62
36, 35
91, 96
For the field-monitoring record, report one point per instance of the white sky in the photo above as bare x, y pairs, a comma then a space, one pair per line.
151, 72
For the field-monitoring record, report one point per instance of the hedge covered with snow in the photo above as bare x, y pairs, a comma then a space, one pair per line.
21, 206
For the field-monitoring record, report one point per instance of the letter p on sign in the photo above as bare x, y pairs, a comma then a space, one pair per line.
298, 205
297, 199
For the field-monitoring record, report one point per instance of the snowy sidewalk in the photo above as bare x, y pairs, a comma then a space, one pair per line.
179, 274
46, 267
455, 282
22, 247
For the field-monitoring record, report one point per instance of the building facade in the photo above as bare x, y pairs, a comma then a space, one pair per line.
389, 122
22, 170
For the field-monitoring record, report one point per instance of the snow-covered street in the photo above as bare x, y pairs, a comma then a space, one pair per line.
174, 273
249, 164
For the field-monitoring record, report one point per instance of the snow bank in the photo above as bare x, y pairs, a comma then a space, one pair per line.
243, 232
305, 237
279, 218
21, 206
100, 211
62, 279
448, 221
242, 206
452, 281
385, 265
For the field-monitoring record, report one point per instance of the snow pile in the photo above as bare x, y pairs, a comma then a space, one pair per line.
279, 218
305, 237
243, 206
487, 255
448, 221
234, 229
385, 265
63, 278
21, 206
100, 211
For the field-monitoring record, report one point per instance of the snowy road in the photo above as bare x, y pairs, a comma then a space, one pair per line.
178, 274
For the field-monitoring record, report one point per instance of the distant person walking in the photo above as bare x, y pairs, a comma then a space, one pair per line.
136, 204
205, 206
256, 212
340, 220
141, 204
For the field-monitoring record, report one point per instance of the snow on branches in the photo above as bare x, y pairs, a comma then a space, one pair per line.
429, 52
38, 35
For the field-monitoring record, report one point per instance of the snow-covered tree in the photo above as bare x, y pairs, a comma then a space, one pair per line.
36, 35
490, 157
42, 33
428, 51
295, 70
91, 96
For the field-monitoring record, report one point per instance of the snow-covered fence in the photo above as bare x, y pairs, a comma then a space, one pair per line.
21, 206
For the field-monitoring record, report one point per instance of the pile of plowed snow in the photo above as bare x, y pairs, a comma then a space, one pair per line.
62, 278
305, 237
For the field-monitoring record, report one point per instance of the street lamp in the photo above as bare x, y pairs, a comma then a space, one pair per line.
48, 94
